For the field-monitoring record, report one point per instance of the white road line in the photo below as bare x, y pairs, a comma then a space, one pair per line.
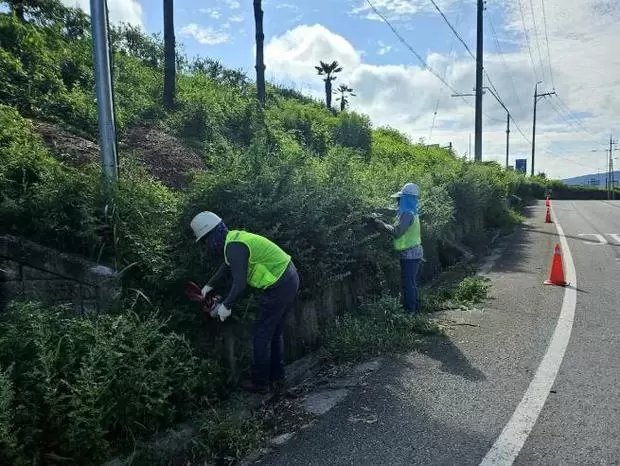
601, 239
510, 442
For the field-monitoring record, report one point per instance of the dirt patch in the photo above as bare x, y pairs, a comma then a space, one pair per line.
165, 156
67, 147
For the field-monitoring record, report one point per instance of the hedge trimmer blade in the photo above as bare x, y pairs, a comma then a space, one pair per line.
193, 292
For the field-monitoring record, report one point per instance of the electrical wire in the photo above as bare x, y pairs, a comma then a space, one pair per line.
410, 48
445, 73
501, 54
527, 39
419, 57
548, 47
458, 36
542, 68
570, 114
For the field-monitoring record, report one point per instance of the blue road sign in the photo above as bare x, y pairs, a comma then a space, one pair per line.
521, 165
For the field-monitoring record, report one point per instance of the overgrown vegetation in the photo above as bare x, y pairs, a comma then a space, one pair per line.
77, 390
379, 327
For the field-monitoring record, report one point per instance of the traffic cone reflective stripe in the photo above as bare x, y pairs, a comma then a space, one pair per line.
547, 202
556, 277
548, 216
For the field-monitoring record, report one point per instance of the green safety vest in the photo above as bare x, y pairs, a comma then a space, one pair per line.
267, 261
411, 238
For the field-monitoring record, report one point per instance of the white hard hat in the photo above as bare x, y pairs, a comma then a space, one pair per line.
203, 223
410, 189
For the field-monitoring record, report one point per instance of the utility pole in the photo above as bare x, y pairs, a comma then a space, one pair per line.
611, 194
537, 97
103, 86
479, 83
507, 139
486, 88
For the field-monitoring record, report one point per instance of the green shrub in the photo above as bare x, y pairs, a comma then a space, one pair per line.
8, 438
472, 290
353, 131
311, 208
39, 197
84, 388
379, 327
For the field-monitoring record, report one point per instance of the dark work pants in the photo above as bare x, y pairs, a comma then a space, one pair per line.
409, 276
268, 338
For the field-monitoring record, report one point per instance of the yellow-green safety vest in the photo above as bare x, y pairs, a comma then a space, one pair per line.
411, 238
267, 261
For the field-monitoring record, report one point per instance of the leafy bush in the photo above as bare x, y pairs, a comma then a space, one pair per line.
84, 388
8, 437
311, 208
472, 290
39, 197
379, 327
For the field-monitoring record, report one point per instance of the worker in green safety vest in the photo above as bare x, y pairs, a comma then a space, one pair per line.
258, 262
408, 242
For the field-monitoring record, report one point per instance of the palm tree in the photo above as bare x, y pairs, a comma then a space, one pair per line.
328, 70
260, 61
344, 91
169, 55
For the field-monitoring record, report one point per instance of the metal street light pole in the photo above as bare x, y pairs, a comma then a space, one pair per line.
103, 86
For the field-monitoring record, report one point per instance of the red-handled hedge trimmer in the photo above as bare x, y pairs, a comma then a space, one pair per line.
194, 293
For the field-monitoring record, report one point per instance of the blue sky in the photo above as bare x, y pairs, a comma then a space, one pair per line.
571, 45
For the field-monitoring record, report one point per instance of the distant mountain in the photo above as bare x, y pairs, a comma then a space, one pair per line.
595, 179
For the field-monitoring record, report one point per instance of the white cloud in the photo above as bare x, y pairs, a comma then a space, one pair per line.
125, 11
212, 12
205, 35
582, 36
383, 48
398, 9
233, 4
236, 19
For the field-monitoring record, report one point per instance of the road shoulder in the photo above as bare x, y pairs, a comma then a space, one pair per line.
448, 403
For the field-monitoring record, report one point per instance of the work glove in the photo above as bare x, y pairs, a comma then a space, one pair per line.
221, 311
206, 290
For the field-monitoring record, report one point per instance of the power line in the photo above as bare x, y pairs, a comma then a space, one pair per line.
410, 48
547, 40
570, 114
527, 39
445, 73
501, 54
418, 56
453, 29
542, 68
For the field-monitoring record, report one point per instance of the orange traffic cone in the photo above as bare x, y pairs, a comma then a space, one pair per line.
547, 202
548, 216
556, 277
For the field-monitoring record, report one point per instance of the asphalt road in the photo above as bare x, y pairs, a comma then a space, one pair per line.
580, 423
449, 404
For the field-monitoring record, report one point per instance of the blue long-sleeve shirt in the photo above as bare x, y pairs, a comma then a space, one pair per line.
404, 221
238, 256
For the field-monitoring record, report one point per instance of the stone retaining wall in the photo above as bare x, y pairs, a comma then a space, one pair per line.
33, 272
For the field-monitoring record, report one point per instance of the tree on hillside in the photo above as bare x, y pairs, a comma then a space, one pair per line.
169, 54
328, 70
345, 92
260, 61
23, 8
